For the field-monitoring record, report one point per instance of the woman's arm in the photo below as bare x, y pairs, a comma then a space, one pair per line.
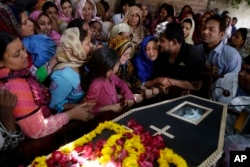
60, 89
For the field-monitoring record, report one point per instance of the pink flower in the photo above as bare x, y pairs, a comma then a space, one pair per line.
56, 155
128, 135
120, 142
65, 159
145, 164
87, 150
50, 162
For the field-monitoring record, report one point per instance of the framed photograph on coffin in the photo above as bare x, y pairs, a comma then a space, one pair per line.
190, 112
193, 127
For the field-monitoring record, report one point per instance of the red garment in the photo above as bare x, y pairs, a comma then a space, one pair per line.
104, 91
31, 112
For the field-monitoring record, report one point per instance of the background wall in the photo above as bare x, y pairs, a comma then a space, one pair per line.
242, 13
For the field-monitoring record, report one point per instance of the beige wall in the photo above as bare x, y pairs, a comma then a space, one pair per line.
197, 5
242, 13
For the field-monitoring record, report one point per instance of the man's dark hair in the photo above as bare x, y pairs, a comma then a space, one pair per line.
47, 5
174, 31
235, 18
126, 2
225, 13
220, 19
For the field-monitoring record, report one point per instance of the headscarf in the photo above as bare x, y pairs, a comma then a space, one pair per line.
140, 31
118, 28
143, 65
35, 15
80, 6
133, 10
119, 43
41, 48
189, 39
8, 21
104, 32
245, 50
70, 52
61, 16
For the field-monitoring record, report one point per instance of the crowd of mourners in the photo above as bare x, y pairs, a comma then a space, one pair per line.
68, 60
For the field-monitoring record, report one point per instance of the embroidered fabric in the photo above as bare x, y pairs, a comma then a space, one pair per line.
11, 138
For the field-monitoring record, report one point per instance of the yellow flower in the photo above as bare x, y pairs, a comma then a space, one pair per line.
133, 146
167, 156
39, 162
130, 162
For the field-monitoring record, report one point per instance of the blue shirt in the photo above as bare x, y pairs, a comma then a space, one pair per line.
225, 57
65, 88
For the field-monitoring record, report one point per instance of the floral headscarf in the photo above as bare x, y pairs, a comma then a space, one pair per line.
61, 16
70, 52
118, 28
80, 6
120, 44
8, 21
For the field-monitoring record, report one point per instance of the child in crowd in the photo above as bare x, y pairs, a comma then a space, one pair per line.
188, 27
86, 9
102, 85
98, 36
144, 64
65, 13
43, 25
65, 89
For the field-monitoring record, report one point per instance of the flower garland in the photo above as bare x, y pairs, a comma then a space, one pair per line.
168, 156
126, 147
